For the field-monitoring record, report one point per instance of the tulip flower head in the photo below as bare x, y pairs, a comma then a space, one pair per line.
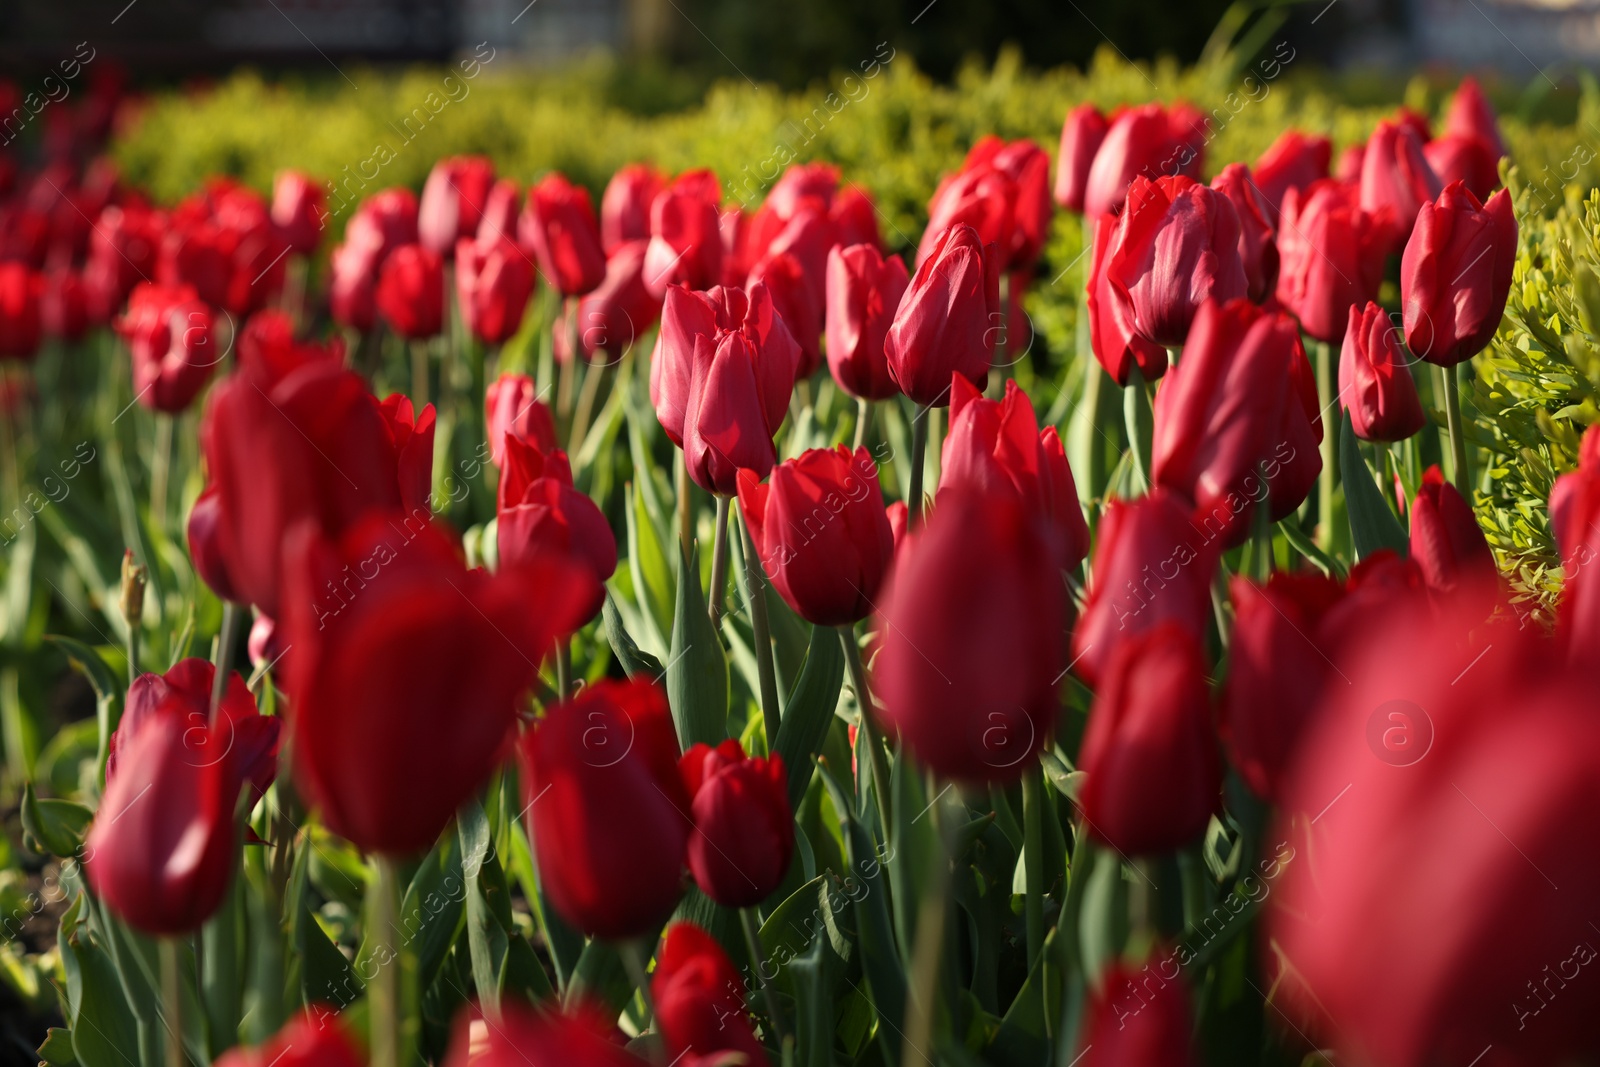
743, 835
1455, 274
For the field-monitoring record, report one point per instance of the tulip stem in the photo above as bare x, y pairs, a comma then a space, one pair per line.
1139, 418
1327, 388
755, 579
876, 762
419, 373
1033, 858
160, 466
593, 375
227, 637
919, 449
564, 669
636, 961
927, 951
171, 1000
719, 560
568, 324
863, 421
685, 504
752, 939
1458, 442
1219, 604
385, 1010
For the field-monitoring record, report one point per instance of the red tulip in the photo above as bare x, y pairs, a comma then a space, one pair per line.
1150, 142
511, 405
619, 312
453, 199
353, 286
821, 532
1448, 794
1575, 524
21, 289
855, 219
804, 191
1112, 335
575, 1035
384, 221
205, 548
625, 207
981, 197
743, 835
612, 819
1295, 161
1375, 384
1471, 115
1395, 176
1240, 407
558, 227
222, 242
63, 306
1464, 159
973, 616
1331, 255
699, 998
299, 210
493, 282
685, 239
388, 626
995, 446
863, 291
943, 324
315, 1038
1258, 247
123, 245
1149, 755
793, 300
410, 292
1455, 274
1150, 566
411, 438
160, 852
168, 333
1448, 544
194, 253
541, 515
1175, 246
269, 352
1028, 167
500, 212
1139, 1017
1081, 137
314, 445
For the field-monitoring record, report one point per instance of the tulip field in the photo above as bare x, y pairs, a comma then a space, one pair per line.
1065, 570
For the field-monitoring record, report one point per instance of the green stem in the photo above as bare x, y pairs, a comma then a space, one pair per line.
160, 465
752, 939
755, 580
419, 373
569, 369
719, 560
593, 375
1327, 387
171, 1000
1140, 420
564, 669
927, 950
636, 960
1461, 472
863, 420
227, 637
386, 1011
1033, 857
1219, 604
877, 762
1093, 388
919, 449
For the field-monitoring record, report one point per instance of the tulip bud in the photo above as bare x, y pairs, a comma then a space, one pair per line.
410, 292
63, 308
493, 282
1455, 274
1150, 566
1081, 137
315, 1038
1464, 159
299, 210
205, 548
548, 1035
625, 207
384, 221
269, 352
541, 515
168, 332
1112, 335
863, 292
1295, 161
500, 212
609, 815
685, 238
1258, 247
558, 227
743, 835
123, 246
796, 305
982, 198
1149, 142
619, 312
353, 286
1375, 385
1330, 256
821, 532
699, 998
1028, 167
942, 325
411, 438
511, 405
855, 219
972, 621
1153, 775
1448, 544
134, 576
1395, 176
1471, 115
1139, 1017
453, 199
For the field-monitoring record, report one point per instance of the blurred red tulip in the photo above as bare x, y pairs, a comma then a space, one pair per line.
63, 306
1136, 1018
453, 200
625, 207
863, 292
743, 835
500, 212
618, 313
411, 437
540, 515
1294, 161
168, 331
353, 286
269, 352
1375, 384
1258, 246
205, 547
699, 997
299, 210
123, 246
315, 1038
1464, 159
21, 290
511, 405
410, 292
1331, 256
383, 222
1150, 142
795, 303
945, 319
1081, 137
549, 1035
1395, 176
981, 197
855, 219
1449, 546
493, 283
685, 238
1471, 115
558, 227
1455, 274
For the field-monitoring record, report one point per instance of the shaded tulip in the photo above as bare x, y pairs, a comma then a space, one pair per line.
205, 547
1139, 1017
1455, 274
123, 245
796, 305
384, 221
410, 292
996, 446
315, 1038
194, 253
493, 283
453, 199
685, 236
804, 191
269, 352
1448, 544
1081, 136
855, 218
411, 437
1464, 159
1575, 524
1471, 115
353, 286
1258, 246
943, 323
1028, 167
611, 826
168, 333
1152, 774
500, 211
299, 210
863, 292
1395, 177
540, 515
1375, 384
558, 227
512, 405
625, 207
63, 307
980, 197
388, 626
619, 312
550, 1035
973, 617
1294, 161
21, 289
160, 852
1148, 141
1175, 246
821, 532
1150, 566
1330, 256
743, 835
1115, 341
699, 997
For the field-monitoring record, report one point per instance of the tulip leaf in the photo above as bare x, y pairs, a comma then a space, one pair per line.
107, 689
1139, 418
1103, 918
809, 710
634, 660
1043, 986
223, 947
601, 975
486, 926
326, 976
650, 571
431, 914
814, 1007
53, 827
697, 670
1373, 525
56, 1049
792, 926
104, 1031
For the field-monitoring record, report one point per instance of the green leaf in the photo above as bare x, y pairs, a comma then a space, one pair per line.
56, 1050
107, 689
813, 994
648, 566
634, 660
1373, 525
432, 912
53, 827
326, 976
809, 710
697, 670
486, 932
104, 1032
792, 925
